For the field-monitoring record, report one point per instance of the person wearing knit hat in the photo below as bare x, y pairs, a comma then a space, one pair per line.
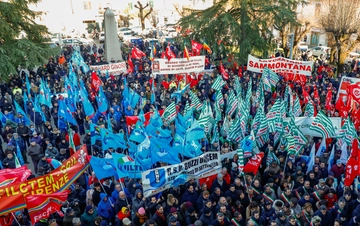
89, 215
173, 220
140, 217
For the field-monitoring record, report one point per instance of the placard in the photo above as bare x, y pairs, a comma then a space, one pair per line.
280, 65
178, 65
114, 68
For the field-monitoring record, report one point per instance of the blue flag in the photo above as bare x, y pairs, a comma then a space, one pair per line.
152, 97
179, 180
88, 108
156, 120
28, 85
64, 112
137, 135
192, 149
247, 145
94, 133
110, 140
109, 126
179, 92
102, 101
103, 167
134, 98
19, 155
163, 135
195, 132
37, 109
19, 110
163, 153
180, 130
122, 163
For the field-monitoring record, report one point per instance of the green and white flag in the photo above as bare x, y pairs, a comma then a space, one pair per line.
218, 114
290, 148
271, 157
269, 78
232, 103
309, 110
188, 107
240, 162
257, 120
17, 162
262, 135
195, 101
238, 88
297, 108
274, 115
215, 137
218, 83
323, 125
219, 98
235, 130
170, 113
348, 132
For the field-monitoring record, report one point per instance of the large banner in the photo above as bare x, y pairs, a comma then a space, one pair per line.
345, 82
304, 124
160, 179
114, 68
58, 180
280, 65
178, 65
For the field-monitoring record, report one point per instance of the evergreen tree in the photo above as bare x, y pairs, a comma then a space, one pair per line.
21, 39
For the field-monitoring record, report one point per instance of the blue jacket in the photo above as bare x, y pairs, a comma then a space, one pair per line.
105, 209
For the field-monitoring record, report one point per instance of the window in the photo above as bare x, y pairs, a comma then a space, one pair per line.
87, 5
314, 38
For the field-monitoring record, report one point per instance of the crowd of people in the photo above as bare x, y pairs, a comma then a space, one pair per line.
282, 193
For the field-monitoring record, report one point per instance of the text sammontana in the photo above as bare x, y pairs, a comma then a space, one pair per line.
195, 162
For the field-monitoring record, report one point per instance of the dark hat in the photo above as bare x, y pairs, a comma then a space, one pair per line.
323, 207
271, 180
191, 209
267, 203
103, 223
207, 211
357, 219
69, 210
172, 219
96, 184
88, 208
188, 204
173, 210
49, 145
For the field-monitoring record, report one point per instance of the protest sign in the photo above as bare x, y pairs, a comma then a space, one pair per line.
159, 179
114, 68
10, 176
178, 65
280, 65
304, 124
344, 84
56, 181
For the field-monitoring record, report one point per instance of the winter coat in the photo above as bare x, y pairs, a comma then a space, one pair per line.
9, 163
43, 167
105, 209
35, 151
192, 197
88, 219
51, 153
136, 202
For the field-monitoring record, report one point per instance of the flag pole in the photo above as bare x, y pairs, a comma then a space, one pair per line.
12, 213
104, 191
123, 189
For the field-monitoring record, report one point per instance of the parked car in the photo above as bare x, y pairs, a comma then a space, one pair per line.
352, 56
303, 46
136, 30
318, 50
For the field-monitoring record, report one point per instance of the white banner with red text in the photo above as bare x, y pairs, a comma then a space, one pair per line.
178, 65
280, 65
114, 68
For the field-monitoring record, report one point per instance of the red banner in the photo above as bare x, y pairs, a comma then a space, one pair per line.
58, 180
41, 206
352, 170
11, 176
254, 163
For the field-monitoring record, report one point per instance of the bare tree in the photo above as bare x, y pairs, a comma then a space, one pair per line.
142, 14
340, 19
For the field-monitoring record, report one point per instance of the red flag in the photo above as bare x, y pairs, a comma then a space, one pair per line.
340, 106
186, 53
316, 95
10, 176
41, 206
306, 96
165, 84
169, 53
163, 55
95, 82
254, 163
352, 170
196, 47
328, 105
130, 65
223, 72
354, 91
137, 53
130, 120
